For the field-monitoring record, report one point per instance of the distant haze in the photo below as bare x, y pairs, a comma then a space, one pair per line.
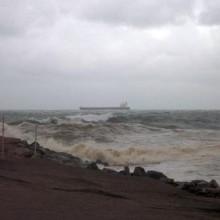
156, 54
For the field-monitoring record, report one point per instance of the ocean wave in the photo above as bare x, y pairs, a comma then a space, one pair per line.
69, 119
169, 120
129, 156
17, 132
90, 117
32, 120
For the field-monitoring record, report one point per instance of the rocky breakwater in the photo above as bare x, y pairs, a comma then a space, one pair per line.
198, 187
201, 187
16, 148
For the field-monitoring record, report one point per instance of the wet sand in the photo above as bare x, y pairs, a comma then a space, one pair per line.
33, 188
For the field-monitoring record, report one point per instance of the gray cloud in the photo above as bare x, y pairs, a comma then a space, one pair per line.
140, 13
59, 54
210, 14
17, 17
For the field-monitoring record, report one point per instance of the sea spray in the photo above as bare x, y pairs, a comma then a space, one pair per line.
178, 143
116, 156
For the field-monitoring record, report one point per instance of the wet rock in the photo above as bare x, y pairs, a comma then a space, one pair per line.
200, 183
197, 186
213, 184
102, 162
28, 154
38, 147
60, 157
107, 170
212, 192
92, 166
169, 181
182, 185
139, 171
125, 172
54, 121
201, 187
156, 175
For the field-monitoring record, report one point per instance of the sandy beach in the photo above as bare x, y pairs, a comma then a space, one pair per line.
33, 188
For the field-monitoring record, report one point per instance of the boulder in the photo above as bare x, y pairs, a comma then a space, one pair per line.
60, 157
213, 184
213, 192
102, 162
201, 187
107, 170
156, 175
139, 171
169, 181
199, 183
182, 185
28, 154
92, 166
125, 172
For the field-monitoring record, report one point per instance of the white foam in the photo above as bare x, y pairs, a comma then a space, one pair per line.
169, 159
90, 117
135, 155
16, 132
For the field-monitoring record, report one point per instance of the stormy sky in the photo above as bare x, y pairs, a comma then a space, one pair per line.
156, 54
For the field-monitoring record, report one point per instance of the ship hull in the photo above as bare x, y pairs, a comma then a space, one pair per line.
104, 108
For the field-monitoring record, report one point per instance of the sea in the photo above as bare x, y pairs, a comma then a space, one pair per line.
185, 145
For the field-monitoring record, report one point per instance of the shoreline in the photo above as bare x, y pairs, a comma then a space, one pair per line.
53, 185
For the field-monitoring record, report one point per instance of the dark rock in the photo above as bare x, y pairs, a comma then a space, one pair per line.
193, 186
102, 162
182, 185
201, 187
60, 157
197, 186
139, 171
54, 121
213, 184
28, 154
168, 181
156, 175
107, 170
213, 192
37, 145
200, 183
92, 166
125, 172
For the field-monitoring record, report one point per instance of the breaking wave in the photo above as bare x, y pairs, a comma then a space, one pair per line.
132, 155
90, 117
184, 142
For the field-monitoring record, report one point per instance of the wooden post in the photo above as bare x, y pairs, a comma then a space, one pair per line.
3, 135
35, 140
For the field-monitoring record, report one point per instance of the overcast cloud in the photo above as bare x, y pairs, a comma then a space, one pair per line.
156, 54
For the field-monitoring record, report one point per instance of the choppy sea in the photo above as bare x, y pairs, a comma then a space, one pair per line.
185, 145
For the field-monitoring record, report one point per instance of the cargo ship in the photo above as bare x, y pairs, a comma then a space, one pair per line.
123, 106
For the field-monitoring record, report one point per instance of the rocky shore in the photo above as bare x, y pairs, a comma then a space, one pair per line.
198, 187
55, 185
